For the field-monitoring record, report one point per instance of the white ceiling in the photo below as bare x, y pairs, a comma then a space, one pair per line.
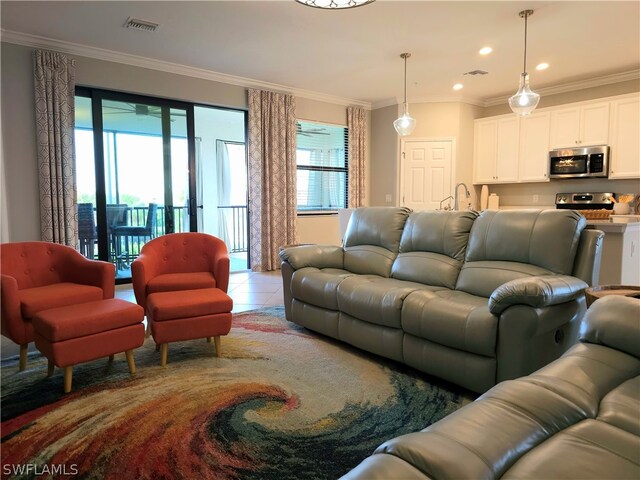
354, 54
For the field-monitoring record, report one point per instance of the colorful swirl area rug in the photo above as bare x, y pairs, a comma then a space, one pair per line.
281, 403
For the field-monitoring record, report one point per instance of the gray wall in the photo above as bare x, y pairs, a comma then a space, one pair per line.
21, 222
385, 146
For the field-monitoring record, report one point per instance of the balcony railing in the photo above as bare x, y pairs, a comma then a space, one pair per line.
235, 217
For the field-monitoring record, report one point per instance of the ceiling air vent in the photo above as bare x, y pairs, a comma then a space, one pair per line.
476, 72
144, 25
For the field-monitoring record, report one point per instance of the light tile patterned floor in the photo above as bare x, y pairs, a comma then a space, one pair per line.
249, 290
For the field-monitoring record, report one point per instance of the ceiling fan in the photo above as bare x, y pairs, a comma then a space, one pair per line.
138, 109
309, 132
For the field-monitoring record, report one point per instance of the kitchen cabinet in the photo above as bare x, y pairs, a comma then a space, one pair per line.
533, 158
580, 125
496, 150
625, 147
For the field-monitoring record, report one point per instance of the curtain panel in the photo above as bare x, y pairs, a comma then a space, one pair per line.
54, 79
272, 176
357, 125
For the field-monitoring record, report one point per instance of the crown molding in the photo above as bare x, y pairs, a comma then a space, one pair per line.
573, 86
70, 48
429, 99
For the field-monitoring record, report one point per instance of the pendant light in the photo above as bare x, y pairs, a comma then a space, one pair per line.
524, 101
405, 124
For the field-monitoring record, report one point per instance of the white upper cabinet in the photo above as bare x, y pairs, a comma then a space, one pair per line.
625, 141
580, 126
534, 147
485, 150
507, 154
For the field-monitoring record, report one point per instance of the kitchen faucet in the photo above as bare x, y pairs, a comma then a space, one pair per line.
448, 207
466, 192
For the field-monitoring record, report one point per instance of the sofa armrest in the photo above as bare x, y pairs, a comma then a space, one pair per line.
12, 322
613, 321
79, 269
143, 269
319, 256
537, 292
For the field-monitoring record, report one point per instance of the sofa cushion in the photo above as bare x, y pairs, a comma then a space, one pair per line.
483, 277
523, 242
170, 282
318, 287
372, 239
34, 300
375, 299
451, 318
162, 306
433, 246
546, 238
589, 449
620, 407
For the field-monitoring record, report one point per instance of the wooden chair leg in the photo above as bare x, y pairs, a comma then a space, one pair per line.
23, 357
216, 341
209, 339
50, 368
68, 377
111, 359
131, 361
147, 332
164, 351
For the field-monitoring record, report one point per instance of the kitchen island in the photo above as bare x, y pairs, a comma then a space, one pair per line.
620, 251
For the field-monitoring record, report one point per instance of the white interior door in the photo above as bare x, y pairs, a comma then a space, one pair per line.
426, 174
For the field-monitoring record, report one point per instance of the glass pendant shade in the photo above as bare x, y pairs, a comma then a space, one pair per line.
334, 4
524, 101
406, 123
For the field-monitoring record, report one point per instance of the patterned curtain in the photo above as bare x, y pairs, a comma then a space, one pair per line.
272, 176
356, 123
54, 76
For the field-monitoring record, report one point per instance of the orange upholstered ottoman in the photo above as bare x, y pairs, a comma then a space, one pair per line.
187, 315
87, 331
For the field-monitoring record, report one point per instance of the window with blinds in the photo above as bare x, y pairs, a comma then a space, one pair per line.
322, 158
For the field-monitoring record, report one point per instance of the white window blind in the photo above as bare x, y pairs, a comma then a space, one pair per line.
322, 158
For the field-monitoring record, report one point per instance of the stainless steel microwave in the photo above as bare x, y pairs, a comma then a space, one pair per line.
579, 162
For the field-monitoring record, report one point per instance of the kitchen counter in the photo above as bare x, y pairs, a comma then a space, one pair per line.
616, 224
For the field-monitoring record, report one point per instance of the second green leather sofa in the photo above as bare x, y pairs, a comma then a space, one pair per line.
471, 298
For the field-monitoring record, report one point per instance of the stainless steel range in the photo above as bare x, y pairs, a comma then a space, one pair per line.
585, 201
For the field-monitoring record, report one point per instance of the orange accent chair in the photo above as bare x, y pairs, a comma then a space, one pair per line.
181, 280
38, 276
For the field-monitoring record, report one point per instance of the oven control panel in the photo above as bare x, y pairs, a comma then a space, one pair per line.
577, 199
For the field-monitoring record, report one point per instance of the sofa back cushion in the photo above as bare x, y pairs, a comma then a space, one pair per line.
505, 245
372, 239
433, 247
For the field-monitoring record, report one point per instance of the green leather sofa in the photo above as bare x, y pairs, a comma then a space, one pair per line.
577, 418
471, 298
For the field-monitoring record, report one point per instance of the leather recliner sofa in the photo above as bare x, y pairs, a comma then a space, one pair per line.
471, 298
578, 417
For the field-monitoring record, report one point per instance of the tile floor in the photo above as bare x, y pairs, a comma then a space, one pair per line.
249, 290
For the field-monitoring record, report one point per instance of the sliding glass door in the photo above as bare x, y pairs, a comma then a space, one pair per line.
142, 159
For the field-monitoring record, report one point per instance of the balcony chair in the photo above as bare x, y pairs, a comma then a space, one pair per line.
38, 276
87, 233
129, 232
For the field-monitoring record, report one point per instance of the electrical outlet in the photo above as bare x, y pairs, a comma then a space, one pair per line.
387, 198
536, 199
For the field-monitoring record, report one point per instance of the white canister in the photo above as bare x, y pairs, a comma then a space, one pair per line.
621, 208
494, 202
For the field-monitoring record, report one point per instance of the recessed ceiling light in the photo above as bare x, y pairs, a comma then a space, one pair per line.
542, 66
485, 50
458, 86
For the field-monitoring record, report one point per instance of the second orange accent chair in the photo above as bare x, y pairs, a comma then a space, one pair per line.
181, 280
38, 276
180, 261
